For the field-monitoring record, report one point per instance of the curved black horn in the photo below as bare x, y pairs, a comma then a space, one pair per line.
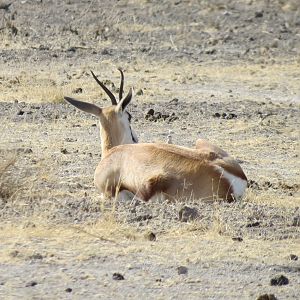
121, 84
107, 91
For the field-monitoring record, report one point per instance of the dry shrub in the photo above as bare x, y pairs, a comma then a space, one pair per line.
8, 186
110, 226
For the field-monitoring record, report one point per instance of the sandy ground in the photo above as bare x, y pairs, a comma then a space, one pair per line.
227, 71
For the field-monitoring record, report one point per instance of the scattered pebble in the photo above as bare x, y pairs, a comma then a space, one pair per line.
150, 236
187, 213
64, 151
70, 140
275, 43
182, 270
71, 49
259, 14
24, 150
293, 257
118, 276
36, 256
149, 113
142, 218
237, 239
5, 6
227, 116
28, 151
105, 52
296, 221
154, 116
31, 283
68, 290
77, 91
139, 92
174, 101
253, 224
20, 112
279, 280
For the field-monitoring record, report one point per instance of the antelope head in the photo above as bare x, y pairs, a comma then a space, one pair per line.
114, 120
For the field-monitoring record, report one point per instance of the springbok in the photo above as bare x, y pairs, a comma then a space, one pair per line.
152, 169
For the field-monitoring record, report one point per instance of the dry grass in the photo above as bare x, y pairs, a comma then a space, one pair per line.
7, 186
34, 84
272, 199
85, 241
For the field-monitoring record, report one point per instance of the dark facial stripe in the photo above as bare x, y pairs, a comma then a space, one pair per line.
129, 119
133, 139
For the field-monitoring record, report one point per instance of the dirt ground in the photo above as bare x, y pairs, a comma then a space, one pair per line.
227, 71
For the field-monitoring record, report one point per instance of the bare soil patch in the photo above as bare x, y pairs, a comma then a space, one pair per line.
227, 72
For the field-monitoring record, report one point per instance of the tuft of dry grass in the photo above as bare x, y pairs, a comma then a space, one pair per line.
7, 184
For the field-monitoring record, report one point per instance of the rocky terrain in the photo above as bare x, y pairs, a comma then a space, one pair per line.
227, 71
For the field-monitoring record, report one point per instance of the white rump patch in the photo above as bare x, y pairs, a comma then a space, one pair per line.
237, 184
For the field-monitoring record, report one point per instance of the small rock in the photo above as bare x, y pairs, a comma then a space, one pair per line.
296, 221
139, 92
105, 52
237, 239
182, 270
275, 43
71, 49
36, 256
5, 6
165, 116
149, 113
259, 14
210, 51
31, 283
216, 115
231, 116
28, 151
143, 218
68, 290
173, 118
20, 113
293, 257
29, 224
64, 151
158, 115
188, 214
77, 91
279, 280
150, 236
267, 297
70, 140
253, 224
118, 276
174, 101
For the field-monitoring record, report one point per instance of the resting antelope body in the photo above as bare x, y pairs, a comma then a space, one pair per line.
150, 169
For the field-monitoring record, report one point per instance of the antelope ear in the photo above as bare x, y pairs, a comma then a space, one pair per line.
87, 107
125, 101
